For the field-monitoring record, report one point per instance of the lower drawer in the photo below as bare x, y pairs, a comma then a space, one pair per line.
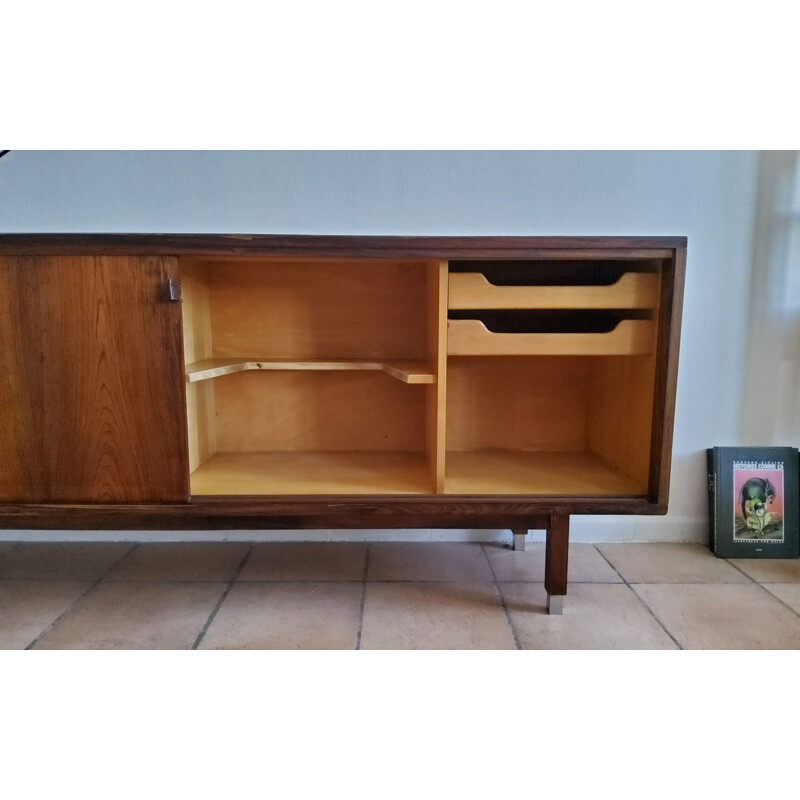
470, 337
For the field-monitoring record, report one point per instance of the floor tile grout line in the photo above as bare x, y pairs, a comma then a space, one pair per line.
363, 599
82, 595
502, 598
761, 586
121, 560
640, 599
687, 582
779, 599
226, 591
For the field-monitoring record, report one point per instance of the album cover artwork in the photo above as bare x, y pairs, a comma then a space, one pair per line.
753, 502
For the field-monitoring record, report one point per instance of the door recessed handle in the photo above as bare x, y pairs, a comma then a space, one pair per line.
174, 286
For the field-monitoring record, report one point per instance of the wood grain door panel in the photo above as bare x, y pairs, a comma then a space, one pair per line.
92, 363
23, 474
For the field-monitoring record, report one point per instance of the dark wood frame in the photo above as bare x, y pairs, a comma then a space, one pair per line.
308, 512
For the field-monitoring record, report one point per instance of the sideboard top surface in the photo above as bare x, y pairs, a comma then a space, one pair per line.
445, 247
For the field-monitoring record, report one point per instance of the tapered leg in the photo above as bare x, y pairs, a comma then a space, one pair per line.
519, 538
555, 569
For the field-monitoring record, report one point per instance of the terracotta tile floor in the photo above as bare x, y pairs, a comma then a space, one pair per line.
389, 595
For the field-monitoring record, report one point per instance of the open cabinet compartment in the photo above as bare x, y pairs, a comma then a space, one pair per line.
311, 376
571, 425
334, 376
551, 377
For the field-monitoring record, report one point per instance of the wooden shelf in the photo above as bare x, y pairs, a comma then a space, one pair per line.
533, 473
330, 472
469, 290
470, 337
414, 372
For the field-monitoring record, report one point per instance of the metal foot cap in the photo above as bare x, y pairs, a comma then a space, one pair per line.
555, 604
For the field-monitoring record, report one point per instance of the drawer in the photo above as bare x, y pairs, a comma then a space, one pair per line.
471, 337
468, 290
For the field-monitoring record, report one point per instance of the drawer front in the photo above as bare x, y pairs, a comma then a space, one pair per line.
470, 337
468, 290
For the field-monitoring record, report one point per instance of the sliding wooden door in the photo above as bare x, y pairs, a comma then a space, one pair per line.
91, 380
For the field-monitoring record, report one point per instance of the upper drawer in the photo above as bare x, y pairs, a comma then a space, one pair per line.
472, 290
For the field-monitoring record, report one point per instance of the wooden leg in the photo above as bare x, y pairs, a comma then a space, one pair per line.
519, 538
555, 569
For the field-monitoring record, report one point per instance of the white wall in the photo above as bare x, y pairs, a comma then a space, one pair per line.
708, 196
771, 411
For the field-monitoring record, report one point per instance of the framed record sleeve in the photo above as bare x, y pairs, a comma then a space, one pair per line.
754, 502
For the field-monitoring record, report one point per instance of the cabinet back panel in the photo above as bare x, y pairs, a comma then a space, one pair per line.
285, 411
502, 403
319, 310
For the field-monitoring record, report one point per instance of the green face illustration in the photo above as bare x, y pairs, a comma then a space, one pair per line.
757, 494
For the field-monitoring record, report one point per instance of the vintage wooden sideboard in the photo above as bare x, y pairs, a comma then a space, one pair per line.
297, 382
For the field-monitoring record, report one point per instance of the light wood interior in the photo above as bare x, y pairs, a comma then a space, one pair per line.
598, 410
314, 377
346, 377
436, 401
312, 473
620, 414
517, 403
318, 310
537, 473
295, 411
197, 347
